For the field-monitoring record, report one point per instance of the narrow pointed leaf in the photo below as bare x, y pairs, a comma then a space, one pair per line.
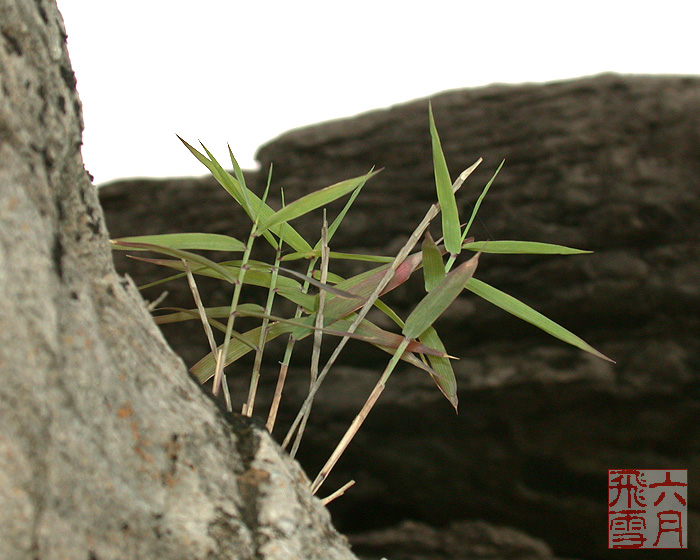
364, 285
444, 376
407, 356
316, 253
442, 296
446, 196
239, 175
366, 332
181, 314
389, 312
204, 369
196, 241
230, 184
180, 254
313, 200
479, 201
320, 285
250, 202
157, 282
526, 313
257, 274
234, 188
308, 302
433, 267
288, 288
522, 248
340, 217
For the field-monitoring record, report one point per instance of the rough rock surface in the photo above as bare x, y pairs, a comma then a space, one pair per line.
108, 449
608, 163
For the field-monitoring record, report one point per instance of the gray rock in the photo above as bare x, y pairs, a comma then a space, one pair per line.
607, 163
108, 449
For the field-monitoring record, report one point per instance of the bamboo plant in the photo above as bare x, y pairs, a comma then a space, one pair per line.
328, 305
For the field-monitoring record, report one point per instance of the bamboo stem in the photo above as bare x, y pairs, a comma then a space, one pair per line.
360, 418
274, 407
400, 257
347, 438
318, 334
338, 493
284, 364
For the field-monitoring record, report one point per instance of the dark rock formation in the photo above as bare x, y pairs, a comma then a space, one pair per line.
608, 163
108, 449
462, 540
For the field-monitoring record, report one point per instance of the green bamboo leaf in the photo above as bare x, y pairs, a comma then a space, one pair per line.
479, 201
257, 273
439, 299
433, 267
521, 248
526, 313
180, 254
316, 253
331, 278
320, 285
366, 332
446, 196
389, 312
225, 179
312, 201
181, 314
197, 241
444, 376
238, 191
239, 175
250, 202
369, 328
289, 289
234, 188
203, 370
308, 302
364, 285
157, 282
340, 217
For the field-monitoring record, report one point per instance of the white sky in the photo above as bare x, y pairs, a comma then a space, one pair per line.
243, 72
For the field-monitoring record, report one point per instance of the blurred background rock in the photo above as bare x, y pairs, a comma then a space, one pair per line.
608, 163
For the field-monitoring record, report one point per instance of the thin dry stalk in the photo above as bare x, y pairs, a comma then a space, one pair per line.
274, 407
210, 334
347, 438
338, 493
224, 383
255, 378
284, 364
318, 334
200, 306
227, 394
218, 372
156, 302
400, 257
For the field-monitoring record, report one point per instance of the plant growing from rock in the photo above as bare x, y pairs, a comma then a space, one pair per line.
327, 304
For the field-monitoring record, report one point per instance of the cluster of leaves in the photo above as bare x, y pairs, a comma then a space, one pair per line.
339, 305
